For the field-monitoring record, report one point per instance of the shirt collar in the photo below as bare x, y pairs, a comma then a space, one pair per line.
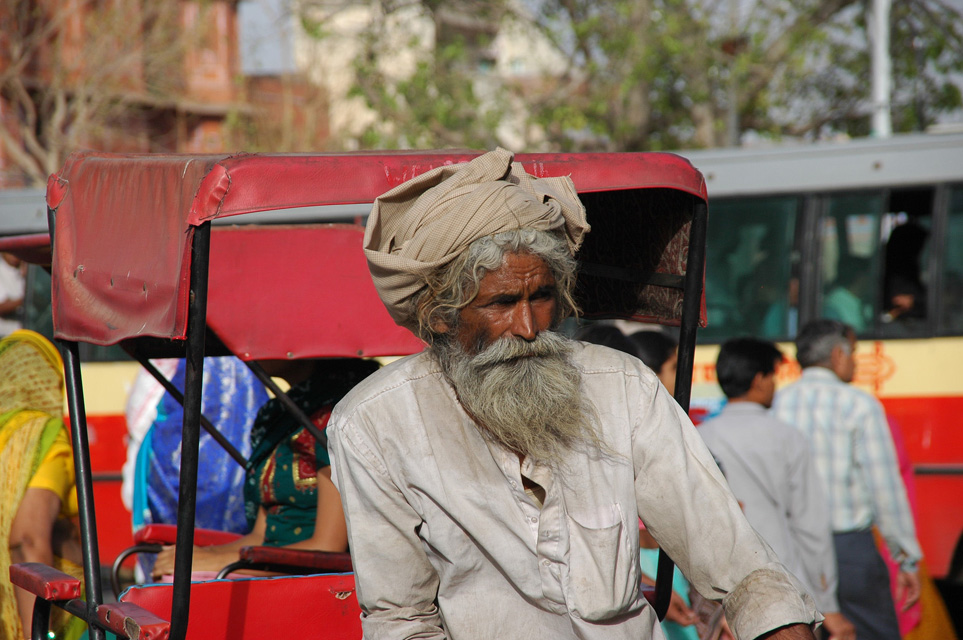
744, 408
819, 373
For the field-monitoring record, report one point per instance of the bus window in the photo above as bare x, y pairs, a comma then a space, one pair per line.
951, 303
873, 258
750, 268
848, 243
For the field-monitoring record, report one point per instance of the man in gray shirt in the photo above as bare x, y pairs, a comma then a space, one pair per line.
770, 469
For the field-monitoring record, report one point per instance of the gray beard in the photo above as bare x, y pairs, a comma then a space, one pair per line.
524, 395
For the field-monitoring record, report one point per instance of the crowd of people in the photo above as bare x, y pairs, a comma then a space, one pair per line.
512, 479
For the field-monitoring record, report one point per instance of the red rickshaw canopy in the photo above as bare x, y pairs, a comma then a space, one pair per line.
125, 223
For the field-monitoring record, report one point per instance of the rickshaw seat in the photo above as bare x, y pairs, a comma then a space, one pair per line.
322, 606
150, 538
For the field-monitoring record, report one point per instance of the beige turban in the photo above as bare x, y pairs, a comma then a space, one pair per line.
425, 223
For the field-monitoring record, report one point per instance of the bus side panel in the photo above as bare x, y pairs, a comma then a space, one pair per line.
933, 433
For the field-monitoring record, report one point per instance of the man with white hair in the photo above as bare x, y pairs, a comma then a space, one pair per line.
856, 460
493, 483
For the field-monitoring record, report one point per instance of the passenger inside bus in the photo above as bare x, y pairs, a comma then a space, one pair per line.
848, 298
904, 293
290, 500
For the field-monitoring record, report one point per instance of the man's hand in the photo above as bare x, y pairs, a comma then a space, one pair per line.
839, 627
907, 588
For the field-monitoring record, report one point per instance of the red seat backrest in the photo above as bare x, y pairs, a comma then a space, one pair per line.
167, 534
319, 606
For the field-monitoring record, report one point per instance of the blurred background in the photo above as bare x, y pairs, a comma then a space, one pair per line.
823, 127
535, 75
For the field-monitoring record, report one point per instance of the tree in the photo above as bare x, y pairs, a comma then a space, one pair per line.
659, 74
663, 74
86, 74
417, 68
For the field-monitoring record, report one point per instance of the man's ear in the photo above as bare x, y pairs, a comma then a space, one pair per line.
835, 357
757, 381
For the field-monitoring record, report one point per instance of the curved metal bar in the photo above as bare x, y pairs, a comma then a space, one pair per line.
123, 555
231, 568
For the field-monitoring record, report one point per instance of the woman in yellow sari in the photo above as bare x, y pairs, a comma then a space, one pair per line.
38, 500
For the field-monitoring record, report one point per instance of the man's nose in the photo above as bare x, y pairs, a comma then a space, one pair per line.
523, 322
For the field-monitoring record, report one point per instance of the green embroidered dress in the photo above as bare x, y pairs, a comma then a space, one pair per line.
285, 458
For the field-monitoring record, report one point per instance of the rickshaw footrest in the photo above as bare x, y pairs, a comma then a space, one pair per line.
128, 619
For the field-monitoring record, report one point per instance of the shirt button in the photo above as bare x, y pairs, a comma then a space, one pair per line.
514, 485
547, 563
534, 520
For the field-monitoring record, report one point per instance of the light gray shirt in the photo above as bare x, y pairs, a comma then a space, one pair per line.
447, 544
855, 456
771, 471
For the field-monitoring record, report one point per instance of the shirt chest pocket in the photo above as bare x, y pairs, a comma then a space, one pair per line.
603, 575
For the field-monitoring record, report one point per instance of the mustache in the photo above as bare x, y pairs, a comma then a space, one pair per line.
545, 344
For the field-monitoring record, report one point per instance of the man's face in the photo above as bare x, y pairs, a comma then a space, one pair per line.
517, 300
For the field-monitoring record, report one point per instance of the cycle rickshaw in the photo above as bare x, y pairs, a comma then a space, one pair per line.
136, 261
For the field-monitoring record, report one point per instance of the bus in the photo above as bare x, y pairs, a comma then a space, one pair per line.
869, 232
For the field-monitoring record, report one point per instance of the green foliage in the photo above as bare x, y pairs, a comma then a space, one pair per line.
660, 74
437, 104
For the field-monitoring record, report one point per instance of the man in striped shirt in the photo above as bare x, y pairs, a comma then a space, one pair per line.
856, 460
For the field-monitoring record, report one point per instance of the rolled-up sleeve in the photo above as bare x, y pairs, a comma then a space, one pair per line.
686, 504
396, 585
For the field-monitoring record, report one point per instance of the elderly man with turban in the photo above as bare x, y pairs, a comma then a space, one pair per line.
493, 483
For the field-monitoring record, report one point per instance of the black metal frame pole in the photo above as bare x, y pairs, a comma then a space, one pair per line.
691, 304
190, 433
691, 308
40, 619
73, 385
85, 485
